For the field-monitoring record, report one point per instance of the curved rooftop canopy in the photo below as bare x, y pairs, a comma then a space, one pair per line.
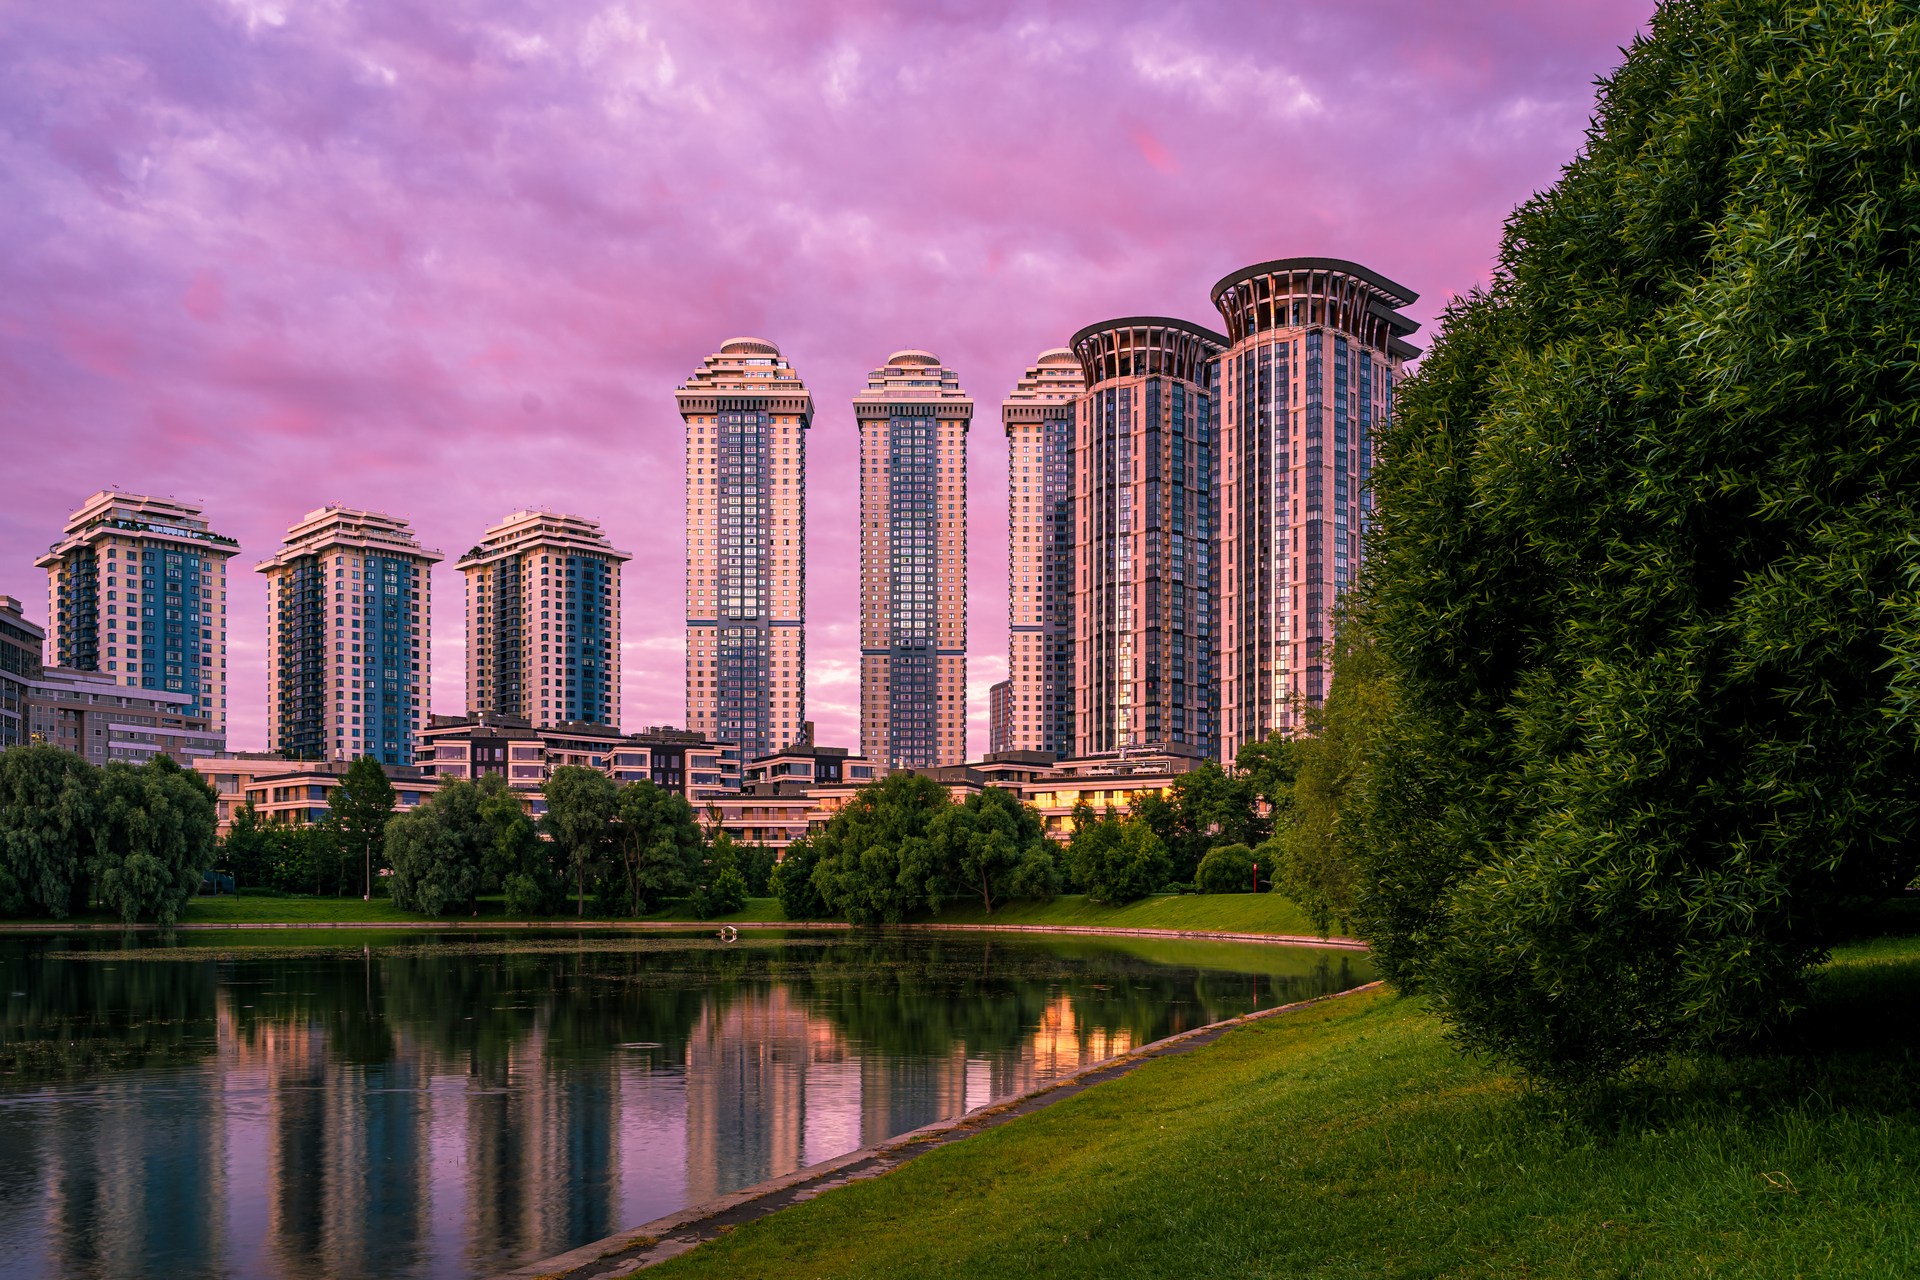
748, 347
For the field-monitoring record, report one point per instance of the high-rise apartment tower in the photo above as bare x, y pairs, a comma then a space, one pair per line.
1038, 416
1143, 528
1315, 348
913, 420
137, 588
747, 414
543, 621
349, 613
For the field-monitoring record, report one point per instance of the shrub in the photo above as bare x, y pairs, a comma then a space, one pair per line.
1228, 868
1643, 568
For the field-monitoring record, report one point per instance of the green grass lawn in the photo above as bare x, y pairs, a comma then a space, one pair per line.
1226, 913
1222, 912
1352, 1140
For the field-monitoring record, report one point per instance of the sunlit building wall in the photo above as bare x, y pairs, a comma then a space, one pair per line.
913, 420
746, 413
543, 621
1143, 527
1039, 420
137, 588
349, 604
1315, 350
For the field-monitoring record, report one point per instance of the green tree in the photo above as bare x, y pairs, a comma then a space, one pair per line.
792, 881
659, 846
1202, 808
982, 843
358, 811
245, 848
1229, 868
47, 802
153, 838
876, 859
439, 851
1268, 764
1116, 860
516, 861
1320, 849
581, 807
1642, 567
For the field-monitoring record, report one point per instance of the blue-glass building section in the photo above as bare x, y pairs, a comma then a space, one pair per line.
588, 605
79, 605
1057, 569
302, 609
175, 652
744, 544
913, 576
389, 584
1316, 525
510, 665
1342, 490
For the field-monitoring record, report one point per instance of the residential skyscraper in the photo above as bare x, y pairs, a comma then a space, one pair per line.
913, 420
137, 588
1315, 350
1038, 417
349, 612
1143, 517
747, 414
543, 621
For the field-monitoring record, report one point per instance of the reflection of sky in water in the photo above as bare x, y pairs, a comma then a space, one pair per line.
452, 1107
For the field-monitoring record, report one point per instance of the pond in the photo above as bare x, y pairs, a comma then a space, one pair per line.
409, 1104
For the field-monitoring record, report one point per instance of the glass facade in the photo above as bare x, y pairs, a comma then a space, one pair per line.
744, 622
913, 574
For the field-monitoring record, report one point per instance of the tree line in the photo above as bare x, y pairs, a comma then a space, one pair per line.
75, 837
627, 849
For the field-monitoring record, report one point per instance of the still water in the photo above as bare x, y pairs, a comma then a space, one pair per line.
430, 1105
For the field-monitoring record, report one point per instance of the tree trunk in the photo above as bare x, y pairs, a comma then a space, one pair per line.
580, 883
986, 892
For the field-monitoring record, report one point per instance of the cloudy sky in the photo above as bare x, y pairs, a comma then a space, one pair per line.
450, 259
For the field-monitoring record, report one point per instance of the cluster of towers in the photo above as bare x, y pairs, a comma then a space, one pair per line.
1185, 508
138, 592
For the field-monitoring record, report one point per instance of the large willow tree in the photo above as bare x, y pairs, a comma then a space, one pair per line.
1646, 552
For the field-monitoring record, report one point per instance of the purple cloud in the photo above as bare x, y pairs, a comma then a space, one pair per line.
449, 260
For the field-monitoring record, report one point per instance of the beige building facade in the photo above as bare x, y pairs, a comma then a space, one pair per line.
1315, 348
913, 419
137, 589
1035, 712
349, 611
747, 414
543, 620
1143, 537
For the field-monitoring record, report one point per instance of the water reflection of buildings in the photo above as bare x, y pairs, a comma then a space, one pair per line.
322, 1138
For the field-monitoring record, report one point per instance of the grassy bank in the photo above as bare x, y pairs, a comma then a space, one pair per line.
1223, 912
1226, 913
1351, 1140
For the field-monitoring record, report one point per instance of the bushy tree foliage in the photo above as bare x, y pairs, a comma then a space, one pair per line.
517, 862
1204, 807
582, 805
792, 881
1229, 868
1116, 860
47, 801
153, 838
244, 849
658, 846
876, 857
1318, 849
1643, 570
991, 846
439, 851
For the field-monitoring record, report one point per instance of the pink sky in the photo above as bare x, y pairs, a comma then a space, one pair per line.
449, 260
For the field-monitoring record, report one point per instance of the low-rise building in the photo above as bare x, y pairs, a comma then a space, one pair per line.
510, 746
1112, 780
93, 715
295, 793
21, 644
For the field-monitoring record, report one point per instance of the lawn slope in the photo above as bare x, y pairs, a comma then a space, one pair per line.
1350, 1139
